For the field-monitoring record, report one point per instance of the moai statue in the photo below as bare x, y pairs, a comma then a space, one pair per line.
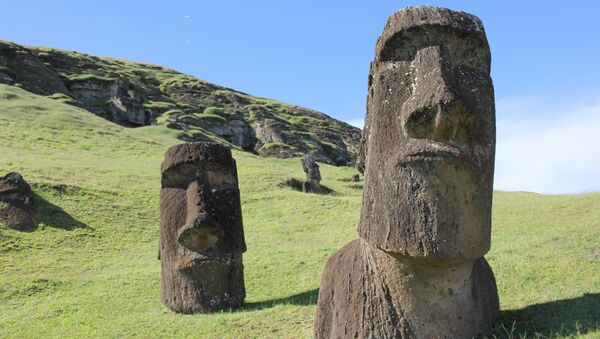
16, 203
427, 152
313, 175
201, 230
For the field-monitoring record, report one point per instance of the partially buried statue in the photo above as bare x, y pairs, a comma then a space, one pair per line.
427, 153
313, 175
201, 230
16, 203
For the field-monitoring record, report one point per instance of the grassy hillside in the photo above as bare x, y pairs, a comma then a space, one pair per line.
139, 94
91, 268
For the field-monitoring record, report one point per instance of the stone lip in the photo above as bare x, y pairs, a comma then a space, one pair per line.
422, 150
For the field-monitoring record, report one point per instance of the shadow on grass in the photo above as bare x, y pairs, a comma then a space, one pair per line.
301, 299
54, 216
297, 185
560, 318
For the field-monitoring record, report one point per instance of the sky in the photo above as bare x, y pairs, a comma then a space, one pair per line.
545, 63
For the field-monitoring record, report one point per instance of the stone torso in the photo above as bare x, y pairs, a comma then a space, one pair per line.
367, 293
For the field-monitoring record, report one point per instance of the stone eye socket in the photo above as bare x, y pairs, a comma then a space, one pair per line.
181, 175
464, 48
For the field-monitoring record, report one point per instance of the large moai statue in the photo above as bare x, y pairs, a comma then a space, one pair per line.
201, 230
313, 175
16, 203
427, 153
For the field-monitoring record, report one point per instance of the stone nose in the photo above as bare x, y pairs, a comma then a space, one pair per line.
201, 231
434, 110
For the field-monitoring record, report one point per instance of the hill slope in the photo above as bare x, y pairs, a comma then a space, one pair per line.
91, 268
138, 94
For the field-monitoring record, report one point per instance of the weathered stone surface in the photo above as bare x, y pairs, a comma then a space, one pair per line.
368, 293
20, 65
236, 131
201, 235
112, 99
313, 175
16, 203
427, 153
6, 78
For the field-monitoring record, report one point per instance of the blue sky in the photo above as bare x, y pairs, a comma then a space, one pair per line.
316, 54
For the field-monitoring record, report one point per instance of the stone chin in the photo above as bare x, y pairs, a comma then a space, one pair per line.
440, 211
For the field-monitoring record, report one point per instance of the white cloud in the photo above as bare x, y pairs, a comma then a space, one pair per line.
547, 147
357, 122
186, 16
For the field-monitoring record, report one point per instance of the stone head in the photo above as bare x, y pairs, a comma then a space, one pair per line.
427, 148
310, 167
16, 203
200, 202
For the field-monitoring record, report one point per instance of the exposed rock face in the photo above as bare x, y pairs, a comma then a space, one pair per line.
236, 131
201, 230
313, 175
137, 94
16, 203
427, 153
20, 65
111, 99
6, 78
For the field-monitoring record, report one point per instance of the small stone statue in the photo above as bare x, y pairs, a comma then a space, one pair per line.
427, 153
313, 175
16, 203
201, 230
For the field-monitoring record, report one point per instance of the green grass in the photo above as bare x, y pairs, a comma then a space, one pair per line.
90, 270
87, 77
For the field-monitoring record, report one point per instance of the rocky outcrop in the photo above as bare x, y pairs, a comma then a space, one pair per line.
112, 99
236, 131
427, 152
16, 203
137, 94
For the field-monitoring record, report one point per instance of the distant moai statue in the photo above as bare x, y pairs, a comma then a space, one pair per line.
201, 230
313, 175
427, 154
16, 203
